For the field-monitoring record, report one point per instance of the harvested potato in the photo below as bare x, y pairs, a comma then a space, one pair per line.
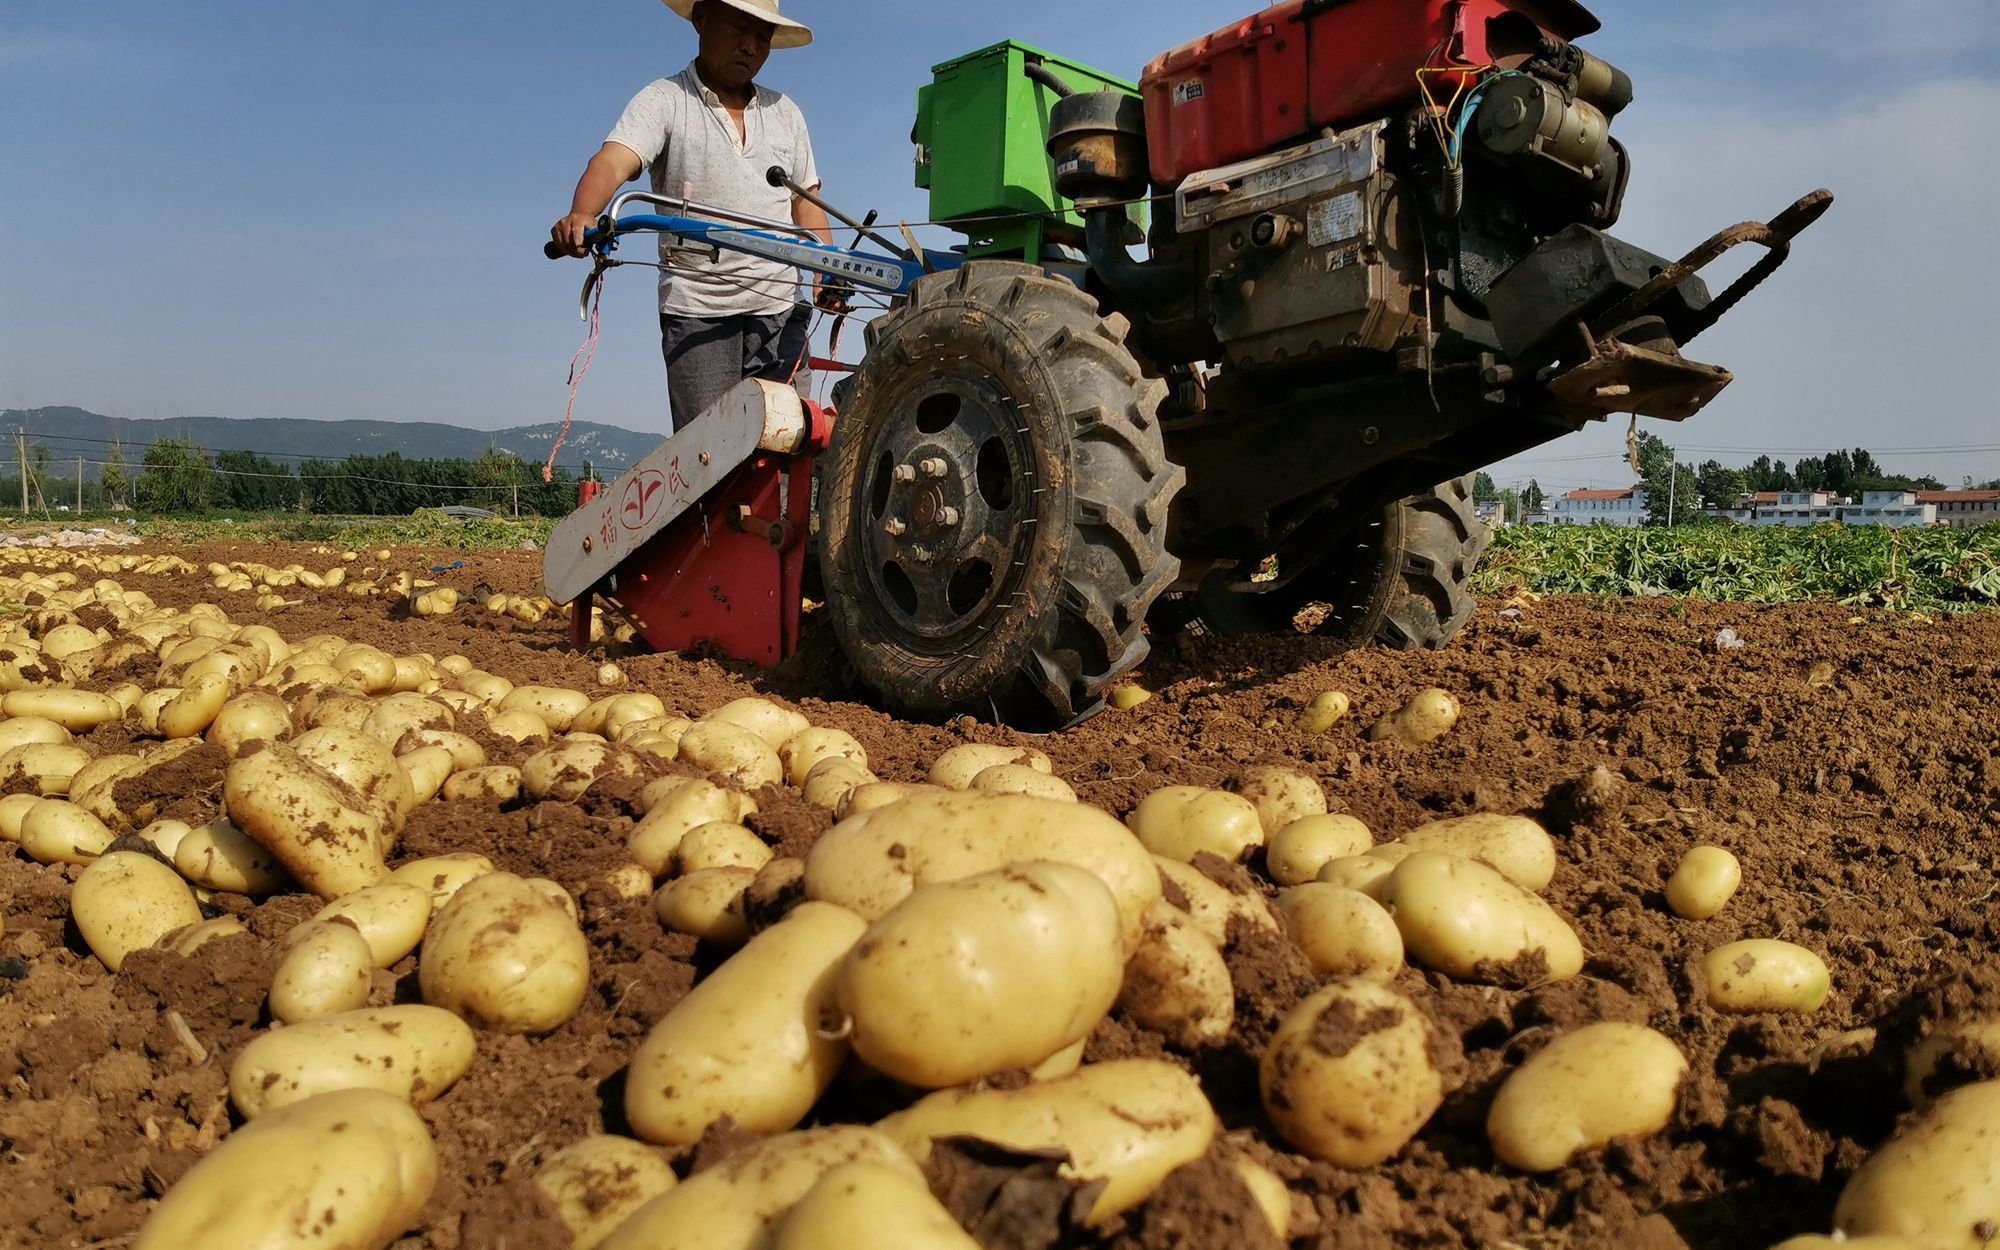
362, 1159
1348, 1076
629, 882
1181, 822
1281, 796
185, 942
507, 955
1297, 852
219, 856
596, 1183
1764, 974
368, 766
1704, 882
707, 903
1516, 847
390, 917
324, 831
166, 836
871, 1204
78, 711
871, 862
1177, 984
523, 728
1342, 932
466, 753
720, 844
427, 769
495, 783
1428, 716
736, 1204
24, 731
189, 713
411, 1051
46, 767
254, 715
832, 780
442, 875
758, 1039
999, 970
564, 771
688, 807
127, 901
735, 754
399, 714
327, 969
1937, 1182
1469, 922
874, 794
54, 831
1211, 905
1324, 712
955, 769
1020, 779
1602, 1081
1128, 696
659, 788
772, 724
1127, 1122
1972, 1045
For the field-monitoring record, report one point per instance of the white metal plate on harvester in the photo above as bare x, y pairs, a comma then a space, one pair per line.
591, 542
1280, 179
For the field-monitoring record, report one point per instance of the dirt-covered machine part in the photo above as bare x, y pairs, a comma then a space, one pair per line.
1376, 260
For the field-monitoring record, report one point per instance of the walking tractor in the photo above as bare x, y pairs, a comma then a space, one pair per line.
1375, 258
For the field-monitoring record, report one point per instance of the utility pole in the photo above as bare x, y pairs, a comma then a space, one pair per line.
21, 455
79, 485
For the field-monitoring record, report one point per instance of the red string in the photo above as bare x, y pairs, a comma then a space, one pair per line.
586, 354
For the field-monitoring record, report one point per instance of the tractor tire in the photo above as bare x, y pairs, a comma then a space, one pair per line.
1404, 583
993, 517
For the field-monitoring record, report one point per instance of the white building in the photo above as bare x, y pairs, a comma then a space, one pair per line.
1799, 508
1897, 509
1625, 509
1963, 509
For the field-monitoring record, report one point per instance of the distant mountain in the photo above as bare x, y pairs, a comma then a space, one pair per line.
72, 432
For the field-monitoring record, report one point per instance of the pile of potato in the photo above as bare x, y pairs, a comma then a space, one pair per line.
976, 925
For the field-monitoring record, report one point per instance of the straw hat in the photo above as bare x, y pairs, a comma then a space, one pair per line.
789, 34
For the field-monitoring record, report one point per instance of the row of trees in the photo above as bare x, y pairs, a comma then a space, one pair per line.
180, 476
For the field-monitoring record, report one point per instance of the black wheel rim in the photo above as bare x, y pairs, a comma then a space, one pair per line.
947, 507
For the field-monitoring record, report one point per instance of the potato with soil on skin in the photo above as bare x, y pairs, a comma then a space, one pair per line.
442, 875
185, 942
520, 728
1348, 1077
1516, 847
325, 833
411, 1051
832, 780
1703, 884
466, 753
427, 769
773, 725
970, 977
871, 862
1467, 921
127, 901
56, 831
1764, 974
655, 839
1177, 983
78, 711
707, 903
1181, 822
870, 1204
254, 715
219, 856
1428, 716
1127, 1122
361, 1160
390, 917
813, 746
1961, 1047
564, 771
732, 753
1020, 779
1324, 712
758, 1040
326, 969
1297, 852
955, 769
719, 844
495, 783
366, 765
1937, 1182
1281, 795
1603, 1081
1211, 905
874, 794
1342, 932
507, 955
737, 1203
595, 1184
47, 767
400, 714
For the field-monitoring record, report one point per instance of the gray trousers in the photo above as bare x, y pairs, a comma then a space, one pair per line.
705, 357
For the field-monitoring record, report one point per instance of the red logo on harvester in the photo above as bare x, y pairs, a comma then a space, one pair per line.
642, 499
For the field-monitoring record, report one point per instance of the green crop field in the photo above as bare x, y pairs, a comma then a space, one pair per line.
1862, 566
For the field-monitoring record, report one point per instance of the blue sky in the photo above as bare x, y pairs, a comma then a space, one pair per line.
248, 208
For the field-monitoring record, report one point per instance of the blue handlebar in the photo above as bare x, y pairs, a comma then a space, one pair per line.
889, 275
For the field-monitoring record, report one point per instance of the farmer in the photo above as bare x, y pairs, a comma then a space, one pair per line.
709, 133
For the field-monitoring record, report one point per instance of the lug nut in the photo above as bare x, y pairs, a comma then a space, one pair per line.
904, 473
894, 527
935, 467
947, 516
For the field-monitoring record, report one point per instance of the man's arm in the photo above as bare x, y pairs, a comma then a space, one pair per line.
612, 167
812, 217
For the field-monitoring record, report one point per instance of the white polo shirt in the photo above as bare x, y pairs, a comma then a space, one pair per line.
688, 142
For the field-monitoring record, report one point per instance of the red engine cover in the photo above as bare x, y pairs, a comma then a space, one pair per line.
1304, 64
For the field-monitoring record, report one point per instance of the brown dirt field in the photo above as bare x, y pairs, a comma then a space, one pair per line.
1866, 812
